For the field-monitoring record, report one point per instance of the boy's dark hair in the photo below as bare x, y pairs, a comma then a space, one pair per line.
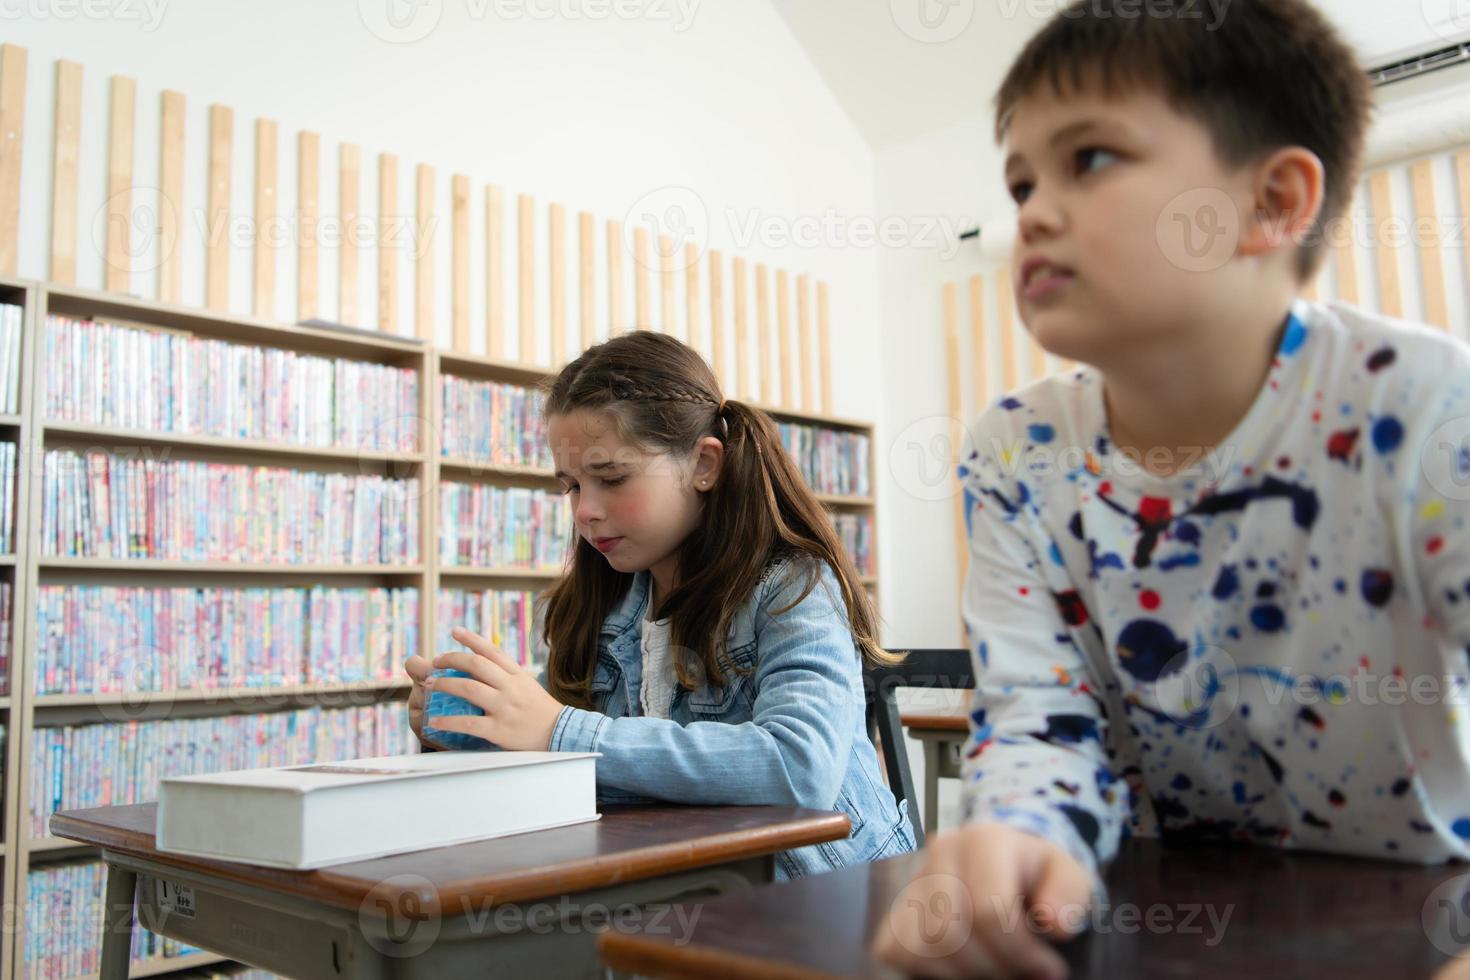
1263, 75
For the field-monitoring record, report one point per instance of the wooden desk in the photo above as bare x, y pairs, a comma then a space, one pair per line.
1290, 915
943, 737
515, 906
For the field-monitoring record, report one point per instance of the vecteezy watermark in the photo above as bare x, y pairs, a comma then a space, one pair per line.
147, 14
1211, 11
407, 21
1199, 230
402, 917
754, 227
136, 218
1445, 460
923, 458
677, 225
1450, 19
943, 914
932, 21
1445, 916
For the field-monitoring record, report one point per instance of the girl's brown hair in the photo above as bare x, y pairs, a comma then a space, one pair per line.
663, 397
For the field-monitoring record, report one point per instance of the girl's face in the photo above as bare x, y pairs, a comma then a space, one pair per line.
634, 506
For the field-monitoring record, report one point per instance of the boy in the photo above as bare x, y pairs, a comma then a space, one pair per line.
1219, 581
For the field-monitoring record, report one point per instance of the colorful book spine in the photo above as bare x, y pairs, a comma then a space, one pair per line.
99, 505
137, 754
856, 532
494, 423
831, 460
11, 318
94, 639
511, 527
506, 617
115, 376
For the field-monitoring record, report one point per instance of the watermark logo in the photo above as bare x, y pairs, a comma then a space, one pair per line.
1445, 460
399, 916
1450, 19
942, 913
400, 21
932, 21
675, 217
1199, 230
1445, 916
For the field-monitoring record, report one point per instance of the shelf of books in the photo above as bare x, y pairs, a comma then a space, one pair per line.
220, 539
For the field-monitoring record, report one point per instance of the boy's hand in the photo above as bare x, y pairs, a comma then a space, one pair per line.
418, 669
519, 713
987, 901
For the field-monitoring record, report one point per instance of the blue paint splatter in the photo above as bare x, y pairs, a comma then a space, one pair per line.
1179, 561
1461, 828
1010, 404
1295, 336
1041, 433
1056, 554
1268, 617
1227, 583
1377, 586
1388, 434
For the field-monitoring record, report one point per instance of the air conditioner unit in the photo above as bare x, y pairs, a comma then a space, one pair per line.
1413, 63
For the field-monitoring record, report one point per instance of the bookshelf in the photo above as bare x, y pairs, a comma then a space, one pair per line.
25, 711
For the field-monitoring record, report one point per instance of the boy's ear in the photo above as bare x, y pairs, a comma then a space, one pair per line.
709, 460
1287, 198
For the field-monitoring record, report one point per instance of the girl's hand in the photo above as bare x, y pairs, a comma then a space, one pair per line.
519, 713
418, 669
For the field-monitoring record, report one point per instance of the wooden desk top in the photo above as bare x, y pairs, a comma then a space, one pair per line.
1289, 915
936, 723
627, 844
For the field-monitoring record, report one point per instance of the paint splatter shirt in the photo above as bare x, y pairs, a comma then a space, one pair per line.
1271, 645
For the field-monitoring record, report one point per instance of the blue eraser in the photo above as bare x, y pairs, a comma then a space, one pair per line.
447, 704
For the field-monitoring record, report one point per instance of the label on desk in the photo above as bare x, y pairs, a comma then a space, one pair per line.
175, 898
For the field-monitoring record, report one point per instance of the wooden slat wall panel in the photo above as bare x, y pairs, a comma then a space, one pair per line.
765, 373
692, 335
388, 218
557, 239
824, 337
494, 270
425, 217
308, 207
642, 269
118, 264
617, 312
459, 269
66, 148
956, 408
783, 327
263, 301
717, 317
587, 278
349, 256
1006, 299
217, 242
1390, 297
667, 275
1427, 239
526, 259
804, 334
742, 329
979, 349
12, 125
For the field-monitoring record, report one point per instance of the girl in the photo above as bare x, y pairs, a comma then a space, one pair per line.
709, 633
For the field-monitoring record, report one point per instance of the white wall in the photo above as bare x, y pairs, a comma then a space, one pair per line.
706, 104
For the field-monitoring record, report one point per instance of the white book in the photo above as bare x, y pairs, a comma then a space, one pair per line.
311, 816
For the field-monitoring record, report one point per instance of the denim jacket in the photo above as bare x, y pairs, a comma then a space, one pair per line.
789, 732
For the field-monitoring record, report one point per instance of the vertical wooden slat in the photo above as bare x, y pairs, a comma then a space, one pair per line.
1005, 300
65, 150
349, 200
557, 237
459, 269
824, 346
308, 208
1431, 254
526, 262
12, 124
642, 263
667, 256
695, 336
717, 317
494, 271
979, 350
118, 265
804, 339
742, 329
764, 370
617, 314
1390, 296
1345, 257
425, 217
956, 425
263, 301
783, 329
217, 231
388, 219
587, 280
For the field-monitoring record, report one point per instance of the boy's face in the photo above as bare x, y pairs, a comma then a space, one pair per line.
1124, 211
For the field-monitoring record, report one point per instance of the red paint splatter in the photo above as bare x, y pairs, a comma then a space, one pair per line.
1105, 489
1149, 599
1340, 445
1024, 590
1155, 510
1284, 462
1434, 545
1317, 416
1249, 470
1364, 662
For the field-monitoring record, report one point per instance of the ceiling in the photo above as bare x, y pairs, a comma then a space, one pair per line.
903, 68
